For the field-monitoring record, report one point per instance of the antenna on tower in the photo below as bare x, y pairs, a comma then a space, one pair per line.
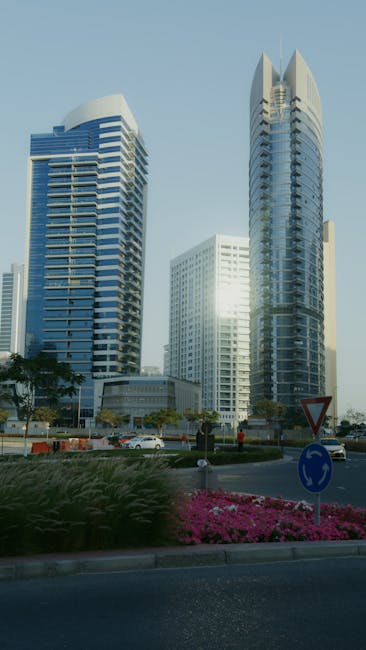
280, 57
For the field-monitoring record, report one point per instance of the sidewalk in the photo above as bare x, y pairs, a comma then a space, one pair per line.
173, 557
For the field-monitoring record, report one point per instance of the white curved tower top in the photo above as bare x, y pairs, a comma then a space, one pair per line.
300, 80
303, 86
265, 77
108, 106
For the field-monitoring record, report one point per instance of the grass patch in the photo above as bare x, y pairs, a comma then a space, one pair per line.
222, 457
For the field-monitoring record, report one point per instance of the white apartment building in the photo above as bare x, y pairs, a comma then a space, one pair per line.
12, 311
209, 323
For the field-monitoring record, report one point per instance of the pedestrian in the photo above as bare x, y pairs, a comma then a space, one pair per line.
184, 441
240, 439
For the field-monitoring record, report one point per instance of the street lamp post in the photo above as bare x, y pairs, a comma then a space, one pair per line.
79, 406
334, 407
25, 447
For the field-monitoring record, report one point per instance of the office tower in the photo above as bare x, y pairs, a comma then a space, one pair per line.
209, 323
87, 185
286, 234
12, 311
330, 340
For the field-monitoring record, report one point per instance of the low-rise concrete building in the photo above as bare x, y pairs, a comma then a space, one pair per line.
137, 395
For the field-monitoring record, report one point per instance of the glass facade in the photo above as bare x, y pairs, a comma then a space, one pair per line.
286, 235
138, 396
86, 231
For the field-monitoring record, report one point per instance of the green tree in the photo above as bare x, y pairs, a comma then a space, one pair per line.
354, 416
45, 414
190, 415
345, 423
107, 416
205, 418
5, 394
345, 427
160, 418
4, 414
42, 375
269, 409
295, 417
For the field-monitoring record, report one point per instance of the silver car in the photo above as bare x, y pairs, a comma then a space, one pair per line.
144, 442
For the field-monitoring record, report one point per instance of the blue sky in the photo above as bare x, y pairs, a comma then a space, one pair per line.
185, 69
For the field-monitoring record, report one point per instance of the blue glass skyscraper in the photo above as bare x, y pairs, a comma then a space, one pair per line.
86, 213
286, 234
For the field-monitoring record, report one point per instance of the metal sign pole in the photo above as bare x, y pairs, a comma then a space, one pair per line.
317, 494
206, 465
317, 508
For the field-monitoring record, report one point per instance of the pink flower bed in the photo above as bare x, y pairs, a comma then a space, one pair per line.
225, 518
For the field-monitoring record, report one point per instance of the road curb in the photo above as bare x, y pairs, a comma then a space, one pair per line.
179, 557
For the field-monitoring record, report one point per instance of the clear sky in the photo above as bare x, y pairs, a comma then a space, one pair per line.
185, 68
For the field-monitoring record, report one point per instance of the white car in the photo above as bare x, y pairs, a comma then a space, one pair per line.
144, 442
336, 450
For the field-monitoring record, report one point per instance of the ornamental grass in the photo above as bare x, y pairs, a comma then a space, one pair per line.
84, 505
225, 518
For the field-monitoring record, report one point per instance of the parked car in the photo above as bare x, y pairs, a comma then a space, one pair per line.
144, 442
117, 439
352, 436
125, 437
336, 450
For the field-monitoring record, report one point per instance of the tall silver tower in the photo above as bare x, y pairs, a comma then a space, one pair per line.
286, 234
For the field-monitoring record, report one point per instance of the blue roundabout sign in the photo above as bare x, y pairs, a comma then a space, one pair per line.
315, 468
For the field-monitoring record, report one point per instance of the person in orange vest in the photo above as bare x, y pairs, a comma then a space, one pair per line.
240, 438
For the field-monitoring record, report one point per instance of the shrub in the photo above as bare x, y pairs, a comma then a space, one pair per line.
248, 455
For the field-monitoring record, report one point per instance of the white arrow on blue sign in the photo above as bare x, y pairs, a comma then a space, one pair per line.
315, 468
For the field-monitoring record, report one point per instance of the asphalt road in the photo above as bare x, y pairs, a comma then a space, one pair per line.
277, 478
280, 478
258, 607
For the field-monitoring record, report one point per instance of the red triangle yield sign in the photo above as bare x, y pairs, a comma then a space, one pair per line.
315, 409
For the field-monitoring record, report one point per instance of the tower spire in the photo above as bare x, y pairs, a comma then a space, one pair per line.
280, 57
